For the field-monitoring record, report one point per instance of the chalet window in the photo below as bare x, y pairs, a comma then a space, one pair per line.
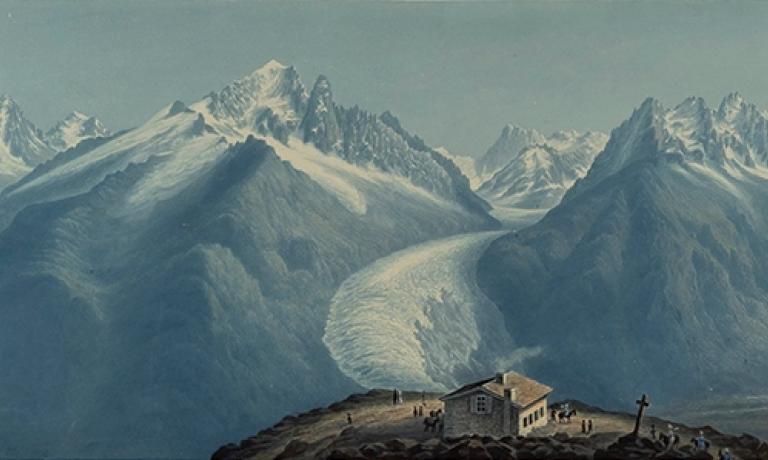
541, 412
530, 419
525, 422
481, 405
536, 415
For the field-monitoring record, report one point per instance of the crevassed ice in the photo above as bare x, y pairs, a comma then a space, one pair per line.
416, 319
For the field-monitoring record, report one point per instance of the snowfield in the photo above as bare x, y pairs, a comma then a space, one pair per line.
416, 319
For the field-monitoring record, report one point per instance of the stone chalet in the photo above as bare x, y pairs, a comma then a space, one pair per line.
507, 404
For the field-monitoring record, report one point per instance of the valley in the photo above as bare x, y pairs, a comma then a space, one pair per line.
205, 269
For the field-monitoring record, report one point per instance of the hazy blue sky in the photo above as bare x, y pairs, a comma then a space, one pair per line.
454, 73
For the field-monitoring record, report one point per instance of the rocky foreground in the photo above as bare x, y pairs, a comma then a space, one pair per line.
380, 430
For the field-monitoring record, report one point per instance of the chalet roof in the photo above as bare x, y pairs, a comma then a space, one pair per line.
527, 391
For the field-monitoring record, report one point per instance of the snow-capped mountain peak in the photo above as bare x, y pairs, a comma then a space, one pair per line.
74, 128
270, 102
6, 101
271, 99
534, 170
512, 140
21, 143
320, 124
272, 64
731, 105
730, 143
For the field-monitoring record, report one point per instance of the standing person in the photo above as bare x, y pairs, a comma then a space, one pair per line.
554, 415
421, 410
423, 397
415, 412
394, 397
653, 431
671, 436
583, 425
589, 427
700, 442
349, 418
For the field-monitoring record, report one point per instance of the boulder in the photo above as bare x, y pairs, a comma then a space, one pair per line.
372, 450
500, 451
395, 445
542, 452
344, 454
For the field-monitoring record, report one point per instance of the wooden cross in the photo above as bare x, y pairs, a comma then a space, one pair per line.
643, 403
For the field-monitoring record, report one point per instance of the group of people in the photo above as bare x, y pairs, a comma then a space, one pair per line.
564, 415
434, 422
671, 439
586, 426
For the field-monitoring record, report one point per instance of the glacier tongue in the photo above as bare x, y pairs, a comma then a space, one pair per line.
416, 319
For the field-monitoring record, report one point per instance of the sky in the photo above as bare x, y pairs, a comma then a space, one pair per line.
454, 72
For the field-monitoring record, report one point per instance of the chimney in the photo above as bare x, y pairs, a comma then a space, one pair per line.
499, 378
509, 395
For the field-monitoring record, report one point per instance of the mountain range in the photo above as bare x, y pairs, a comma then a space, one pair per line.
171, 283
649, 275
23, 146
524, 173
180, 283
538, 175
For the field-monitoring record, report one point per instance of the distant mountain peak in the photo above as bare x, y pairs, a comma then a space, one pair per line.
734, 105
23, 146
271, 99
76, 115
21, 143
6, 101
320, 124
73, 129
733, 99
512, 140
273, 64
723, 142
322, 84
692, 104
511, 129
536, 170
272, 71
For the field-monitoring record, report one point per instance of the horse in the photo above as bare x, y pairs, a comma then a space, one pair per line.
431, 423
566, 415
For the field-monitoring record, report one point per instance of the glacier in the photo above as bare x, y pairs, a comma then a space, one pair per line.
416, 319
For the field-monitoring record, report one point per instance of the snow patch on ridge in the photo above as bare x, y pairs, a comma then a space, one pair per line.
327, 171
349, 183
